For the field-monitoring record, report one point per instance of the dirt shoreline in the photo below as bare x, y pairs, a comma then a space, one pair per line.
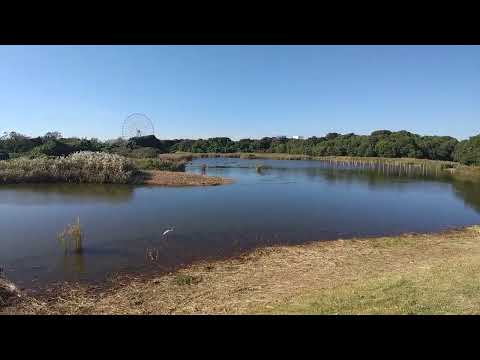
174, 178
274, 279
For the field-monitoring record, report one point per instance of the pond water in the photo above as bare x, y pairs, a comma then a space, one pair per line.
288, 202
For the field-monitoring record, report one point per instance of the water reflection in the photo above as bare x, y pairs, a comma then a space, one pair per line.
469, 192
376, 177
41, 194
73, 263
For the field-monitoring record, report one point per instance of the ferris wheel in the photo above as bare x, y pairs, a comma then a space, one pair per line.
136, 125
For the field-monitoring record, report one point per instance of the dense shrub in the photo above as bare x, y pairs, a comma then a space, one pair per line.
4, 155
159, 164
18, 143
149, 141
468, 151
145, 152
138, 153
81, 167
53, 148
121, 150
381, 143
84, 144
438, 147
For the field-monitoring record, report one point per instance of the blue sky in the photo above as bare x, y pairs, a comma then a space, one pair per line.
240, 91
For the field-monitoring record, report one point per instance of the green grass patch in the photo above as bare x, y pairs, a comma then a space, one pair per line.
451, 288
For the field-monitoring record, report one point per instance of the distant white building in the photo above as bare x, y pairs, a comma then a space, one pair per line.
298, 137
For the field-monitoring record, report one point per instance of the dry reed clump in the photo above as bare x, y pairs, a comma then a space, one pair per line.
80, 167
171, 178
72, 238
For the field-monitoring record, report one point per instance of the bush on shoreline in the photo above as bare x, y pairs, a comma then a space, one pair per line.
52, 148
80, 167
164, 162
159, 164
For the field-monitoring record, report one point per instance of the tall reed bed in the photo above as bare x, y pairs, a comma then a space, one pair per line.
81, 167
402, 166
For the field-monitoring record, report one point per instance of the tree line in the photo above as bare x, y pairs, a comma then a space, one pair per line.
380, 143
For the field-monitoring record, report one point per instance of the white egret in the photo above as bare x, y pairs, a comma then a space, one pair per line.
167, 231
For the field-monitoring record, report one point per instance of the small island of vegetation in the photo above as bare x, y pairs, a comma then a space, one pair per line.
57, 160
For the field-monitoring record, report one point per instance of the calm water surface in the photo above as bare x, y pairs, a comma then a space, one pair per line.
289, 202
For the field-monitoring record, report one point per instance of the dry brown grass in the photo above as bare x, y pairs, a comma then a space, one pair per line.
174, 178
271, 279
80, 167
466, 173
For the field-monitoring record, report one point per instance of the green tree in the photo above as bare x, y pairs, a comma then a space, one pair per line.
53, 148
468, 151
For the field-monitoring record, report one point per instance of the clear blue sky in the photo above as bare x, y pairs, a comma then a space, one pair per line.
240, 91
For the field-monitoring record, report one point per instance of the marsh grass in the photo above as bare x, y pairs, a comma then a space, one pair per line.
80, 167
72, 238
465, 173
390, 166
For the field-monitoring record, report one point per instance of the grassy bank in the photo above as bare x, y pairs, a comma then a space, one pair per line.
447, 288
412, 273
